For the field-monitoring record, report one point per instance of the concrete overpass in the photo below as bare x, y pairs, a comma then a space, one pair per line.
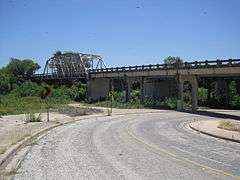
160, 80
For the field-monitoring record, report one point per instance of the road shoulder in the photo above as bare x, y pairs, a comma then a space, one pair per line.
210, 127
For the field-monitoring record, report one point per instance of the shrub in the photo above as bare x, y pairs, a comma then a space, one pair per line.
31, 117
78, 92
202, 95
234, 97
61, 92
5, 111
170, 102
27, 88
135, 96
4, 82
119, 96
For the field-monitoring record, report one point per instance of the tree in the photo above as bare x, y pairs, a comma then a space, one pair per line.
4, 82
22, 68
57, 53
173, 61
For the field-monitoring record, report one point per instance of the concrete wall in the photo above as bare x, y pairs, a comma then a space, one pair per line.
98, 88
160, 89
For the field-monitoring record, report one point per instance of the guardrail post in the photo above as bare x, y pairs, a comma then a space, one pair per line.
196, 64
230, 62
206, 63
218, 62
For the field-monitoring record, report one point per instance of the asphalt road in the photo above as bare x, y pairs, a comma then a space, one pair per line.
136, 146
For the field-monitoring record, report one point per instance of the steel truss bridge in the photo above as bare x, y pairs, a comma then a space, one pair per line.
69, 66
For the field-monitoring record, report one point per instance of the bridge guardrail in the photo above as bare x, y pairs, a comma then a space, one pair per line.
185, 65
55, 76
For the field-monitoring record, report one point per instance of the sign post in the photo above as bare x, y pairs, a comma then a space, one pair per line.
46, 93
111, 101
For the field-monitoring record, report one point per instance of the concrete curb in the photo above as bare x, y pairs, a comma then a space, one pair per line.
212, 134
14, 148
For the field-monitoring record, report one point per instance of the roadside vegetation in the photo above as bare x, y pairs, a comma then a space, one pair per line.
118, 100
229, 125
19, 95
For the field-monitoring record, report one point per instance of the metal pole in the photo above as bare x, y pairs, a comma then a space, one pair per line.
48, 113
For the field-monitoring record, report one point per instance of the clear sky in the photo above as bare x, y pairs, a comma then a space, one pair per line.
123, 32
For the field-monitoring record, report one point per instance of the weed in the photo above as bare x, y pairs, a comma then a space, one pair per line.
31, 117
229, 125
3, 150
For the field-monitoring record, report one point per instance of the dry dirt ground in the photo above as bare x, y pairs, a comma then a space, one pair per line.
14, 128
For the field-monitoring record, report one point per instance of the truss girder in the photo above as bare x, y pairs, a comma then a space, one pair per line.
72, 64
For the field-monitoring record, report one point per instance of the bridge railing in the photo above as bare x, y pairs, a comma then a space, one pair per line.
185, 65
57, 76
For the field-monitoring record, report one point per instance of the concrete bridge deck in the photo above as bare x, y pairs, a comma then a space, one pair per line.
160, 80
229, 67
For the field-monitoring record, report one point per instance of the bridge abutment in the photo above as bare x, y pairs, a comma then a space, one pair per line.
192, 79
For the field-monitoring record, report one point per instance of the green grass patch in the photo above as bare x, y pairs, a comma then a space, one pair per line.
10, 104
167, 103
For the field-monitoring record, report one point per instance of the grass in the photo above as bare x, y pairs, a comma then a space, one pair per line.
229, 125
3, 150
21, 105
136, 104
116, 104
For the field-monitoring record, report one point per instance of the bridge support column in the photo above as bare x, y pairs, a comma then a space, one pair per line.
193, 81
180, 94
142, 90
194, 93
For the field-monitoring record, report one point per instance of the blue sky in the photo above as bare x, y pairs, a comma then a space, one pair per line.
125, 32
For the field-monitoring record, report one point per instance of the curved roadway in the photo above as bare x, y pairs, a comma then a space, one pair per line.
135, 146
